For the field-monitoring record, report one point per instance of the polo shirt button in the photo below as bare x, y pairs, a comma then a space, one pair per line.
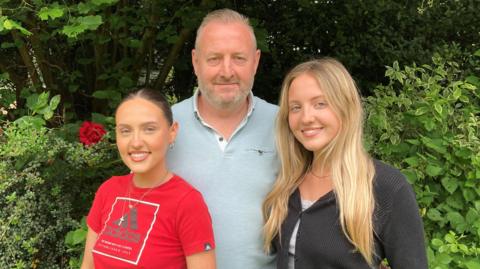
220, 139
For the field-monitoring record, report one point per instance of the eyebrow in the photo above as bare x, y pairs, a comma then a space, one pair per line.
313, 98
142, 124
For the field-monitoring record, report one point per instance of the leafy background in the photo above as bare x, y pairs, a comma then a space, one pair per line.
63, 62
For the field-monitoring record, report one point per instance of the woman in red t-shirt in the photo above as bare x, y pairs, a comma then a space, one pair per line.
150, 218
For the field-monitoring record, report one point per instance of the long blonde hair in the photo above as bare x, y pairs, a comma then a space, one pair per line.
351, 167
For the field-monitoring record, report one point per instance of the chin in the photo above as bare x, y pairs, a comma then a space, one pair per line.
313, 148
137, 170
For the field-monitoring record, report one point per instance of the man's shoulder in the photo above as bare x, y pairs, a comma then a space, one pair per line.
182, 108
182, 105
264, 106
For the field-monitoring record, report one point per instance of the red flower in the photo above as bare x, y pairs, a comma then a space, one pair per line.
90, 133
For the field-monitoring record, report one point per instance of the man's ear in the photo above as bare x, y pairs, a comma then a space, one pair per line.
194, 60
257, 59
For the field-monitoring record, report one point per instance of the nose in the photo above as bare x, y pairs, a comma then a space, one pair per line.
137, 140
306, 116
226, 70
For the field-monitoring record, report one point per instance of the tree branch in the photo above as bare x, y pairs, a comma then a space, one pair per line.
147, 39
172, 56
27, 60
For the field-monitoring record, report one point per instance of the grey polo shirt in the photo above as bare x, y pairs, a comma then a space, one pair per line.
233, 180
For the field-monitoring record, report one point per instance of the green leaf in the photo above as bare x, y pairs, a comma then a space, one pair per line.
48, 114
11, 24
34, 121
469, 195
421, 110
411, 175
104, 2
7, 45
90, 22
42, 102
457, 93
105, 94
126, 82
2, 20
449, 184
457, 221
464, 153
464, 99
438, 107
437, 242
433, 170
31, 101
436, 144
429, 124
472, 216
105, 120
12, 196
69, 238
79, 236
73, 30
412, 161
134, 43
455, 201
81, 24
85, 8
454, 248
54, 102
474, 80
413, 141
469, 86
434, 214
450, 238
473, 264
53, 12
444, 258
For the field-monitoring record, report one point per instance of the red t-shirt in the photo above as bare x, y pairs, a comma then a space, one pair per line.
157, 230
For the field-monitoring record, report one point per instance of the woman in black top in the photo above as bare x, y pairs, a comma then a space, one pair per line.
332, 205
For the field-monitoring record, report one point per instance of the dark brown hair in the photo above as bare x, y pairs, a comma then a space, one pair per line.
153, 96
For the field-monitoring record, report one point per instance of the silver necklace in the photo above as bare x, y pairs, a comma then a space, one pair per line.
130, 206
318, 177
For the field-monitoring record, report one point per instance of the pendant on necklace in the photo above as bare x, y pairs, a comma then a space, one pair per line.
121, 220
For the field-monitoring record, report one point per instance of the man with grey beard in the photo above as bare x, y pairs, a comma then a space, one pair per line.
225, 146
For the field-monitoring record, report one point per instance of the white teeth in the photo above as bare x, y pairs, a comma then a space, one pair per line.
138, 156
311, 132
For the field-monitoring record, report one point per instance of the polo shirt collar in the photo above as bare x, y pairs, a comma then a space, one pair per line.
196, 94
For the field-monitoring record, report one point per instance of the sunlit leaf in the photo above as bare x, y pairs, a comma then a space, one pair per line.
53, 12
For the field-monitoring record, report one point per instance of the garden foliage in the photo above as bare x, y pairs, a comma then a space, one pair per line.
426, 121
63, 62
47, 182
92, 52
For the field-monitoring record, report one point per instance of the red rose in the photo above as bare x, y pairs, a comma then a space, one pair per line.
90, 133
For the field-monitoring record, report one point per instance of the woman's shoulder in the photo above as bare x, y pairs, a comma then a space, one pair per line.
114, 183
389, 185
187, 196
182, 186
388, 179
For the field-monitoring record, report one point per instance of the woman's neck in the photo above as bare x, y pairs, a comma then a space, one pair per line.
151, 180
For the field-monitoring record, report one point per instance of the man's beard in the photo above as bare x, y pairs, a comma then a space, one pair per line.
220, 102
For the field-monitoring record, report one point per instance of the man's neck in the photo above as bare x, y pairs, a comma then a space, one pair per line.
223, 120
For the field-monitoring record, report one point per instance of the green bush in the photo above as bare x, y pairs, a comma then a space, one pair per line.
47, 182
426, 121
